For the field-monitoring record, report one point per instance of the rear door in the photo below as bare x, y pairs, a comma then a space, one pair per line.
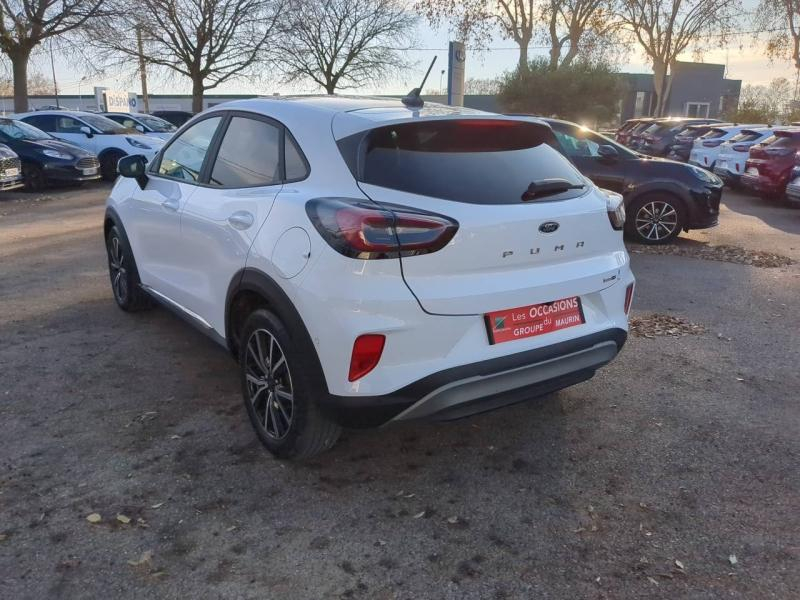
222, 218
511, 249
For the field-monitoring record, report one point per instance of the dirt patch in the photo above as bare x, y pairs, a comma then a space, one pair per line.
724, 253
660, 325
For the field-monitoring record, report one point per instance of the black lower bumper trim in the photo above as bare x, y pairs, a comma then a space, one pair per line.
373, 411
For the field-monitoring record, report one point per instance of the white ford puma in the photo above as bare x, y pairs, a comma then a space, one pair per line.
367, 261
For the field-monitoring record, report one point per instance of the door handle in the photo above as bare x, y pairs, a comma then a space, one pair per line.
171, 204
241, 219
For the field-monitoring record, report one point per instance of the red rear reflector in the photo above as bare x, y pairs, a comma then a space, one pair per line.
367, 350
628, 297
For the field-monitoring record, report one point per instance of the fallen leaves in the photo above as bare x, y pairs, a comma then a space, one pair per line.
94, 518
145, 559
723, 253
733, 560
661, 325
124, 519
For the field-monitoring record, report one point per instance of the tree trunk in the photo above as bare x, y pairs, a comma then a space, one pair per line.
660, 85
19, 62
570, 55
555, 43
330, 87
522, 65
197, 94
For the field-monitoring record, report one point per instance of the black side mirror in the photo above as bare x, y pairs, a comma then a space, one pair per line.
133, 166
607, 152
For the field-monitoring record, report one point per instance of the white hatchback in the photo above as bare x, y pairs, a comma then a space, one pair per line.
366, 262
103, 137
706, 148
144, 123
733, 154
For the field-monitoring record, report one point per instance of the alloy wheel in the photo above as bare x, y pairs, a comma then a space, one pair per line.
269, 384
656, 220
118, 269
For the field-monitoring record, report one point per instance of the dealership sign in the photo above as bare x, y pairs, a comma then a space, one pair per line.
112, 100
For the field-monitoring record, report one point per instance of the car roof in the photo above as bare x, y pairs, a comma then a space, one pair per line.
60, 113
346, 115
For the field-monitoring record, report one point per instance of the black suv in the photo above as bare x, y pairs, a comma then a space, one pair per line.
662, 197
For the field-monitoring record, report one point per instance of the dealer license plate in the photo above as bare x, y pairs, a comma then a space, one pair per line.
535, 319
721, 164
12, 172
752, 171
92, 171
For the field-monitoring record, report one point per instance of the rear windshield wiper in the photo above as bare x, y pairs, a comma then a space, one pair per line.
548, 187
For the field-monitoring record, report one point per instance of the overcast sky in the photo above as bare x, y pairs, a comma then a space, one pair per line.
744, 61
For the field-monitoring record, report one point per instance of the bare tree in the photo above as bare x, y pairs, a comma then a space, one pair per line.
345, 43
208, 41
25, 24
780, 19
667, 28
38, 85
577, 25
475, 20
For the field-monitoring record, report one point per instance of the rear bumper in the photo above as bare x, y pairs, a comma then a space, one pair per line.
763, 185
793, 193
727, 176
478, 387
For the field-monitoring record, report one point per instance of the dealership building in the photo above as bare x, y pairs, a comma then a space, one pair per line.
694, 90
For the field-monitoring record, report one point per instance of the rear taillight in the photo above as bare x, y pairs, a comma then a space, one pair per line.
712, 143
737, 166
365, 230
615, 207
628, 297
741, 147
367, 350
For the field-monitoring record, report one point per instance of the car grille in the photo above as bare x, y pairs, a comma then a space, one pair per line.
87, 163
9, 163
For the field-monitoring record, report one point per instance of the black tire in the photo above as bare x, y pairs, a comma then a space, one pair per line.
123, 274
108, 164
654, 219
279, 392
34, 178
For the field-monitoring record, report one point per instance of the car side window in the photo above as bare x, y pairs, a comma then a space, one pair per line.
577, 147
68, 125
249, 155
183, 158
43, 122
296, 166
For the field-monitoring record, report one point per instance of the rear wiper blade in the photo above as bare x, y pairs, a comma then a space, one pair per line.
548, 187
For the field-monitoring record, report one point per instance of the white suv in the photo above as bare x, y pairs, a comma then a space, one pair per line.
110, 141
367, 262
706, 148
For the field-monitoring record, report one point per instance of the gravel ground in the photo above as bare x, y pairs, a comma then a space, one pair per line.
649, 481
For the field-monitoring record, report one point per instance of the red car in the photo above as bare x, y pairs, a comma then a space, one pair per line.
769, 166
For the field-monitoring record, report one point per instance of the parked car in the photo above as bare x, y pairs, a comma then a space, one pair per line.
793, 187
45, 159
662, 197
10, 169
95, 133
624, 133
176, 117
705, 148
144, 123
733, 154
635, 135
769, 166
682, 145
370, 274
659, 137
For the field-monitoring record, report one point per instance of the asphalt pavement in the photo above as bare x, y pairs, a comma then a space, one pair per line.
672, 474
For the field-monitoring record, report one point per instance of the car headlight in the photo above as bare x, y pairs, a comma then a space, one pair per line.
137, 144
704, 175
57, 154
615, 206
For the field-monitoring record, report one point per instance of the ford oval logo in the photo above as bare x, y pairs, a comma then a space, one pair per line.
548, 227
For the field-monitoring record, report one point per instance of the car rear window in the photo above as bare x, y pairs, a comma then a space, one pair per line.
786, 141
745, 136
476, 161
713, 134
